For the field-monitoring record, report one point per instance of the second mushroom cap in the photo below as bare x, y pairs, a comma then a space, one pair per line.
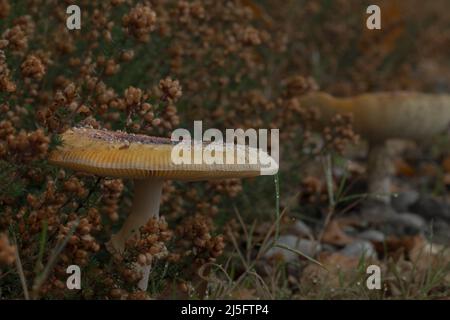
385, 115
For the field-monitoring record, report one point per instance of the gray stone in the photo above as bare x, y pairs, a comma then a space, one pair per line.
439, 232
440, 225
328, 248
404, 200
372, 235
359, 248
300, 229
350, 230
377, 214
410, 220
430, 207
391, 222
305, 246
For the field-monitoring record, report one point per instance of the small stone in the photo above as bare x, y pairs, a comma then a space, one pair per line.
377, 213
404, 200
372, 235
300, 229
305, 246
391, 222
328, 248
439, 231
410, 220
430, 207
359, 248
349, 230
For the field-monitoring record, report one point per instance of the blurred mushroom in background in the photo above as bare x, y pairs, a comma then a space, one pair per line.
379, 117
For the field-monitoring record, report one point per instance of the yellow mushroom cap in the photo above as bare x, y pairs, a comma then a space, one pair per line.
386, 115
119, 154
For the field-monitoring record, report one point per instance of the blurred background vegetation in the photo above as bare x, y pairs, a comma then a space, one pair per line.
152, 66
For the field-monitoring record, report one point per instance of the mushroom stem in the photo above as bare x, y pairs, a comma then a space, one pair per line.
379, 172
147, 198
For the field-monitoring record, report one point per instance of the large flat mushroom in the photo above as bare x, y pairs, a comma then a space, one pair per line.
379, 117
149, 161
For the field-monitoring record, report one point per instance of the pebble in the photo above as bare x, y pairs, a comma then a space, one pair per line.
410, 220
430, 207
404, 200
372, 235
300, 229
391, 221
439, 231
358, 248
305, 246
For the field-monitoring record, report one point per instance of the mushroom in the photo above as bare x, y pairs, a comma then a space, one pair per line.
149, 161
379, 117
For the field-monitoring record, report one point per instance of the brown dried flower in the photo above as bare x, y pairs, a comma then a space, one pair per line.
139, 22
33, 68
171, 89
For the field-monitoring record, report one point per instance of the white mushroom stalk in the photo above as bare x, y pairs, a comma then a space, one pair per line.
380, 169
147, 199
146, 203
